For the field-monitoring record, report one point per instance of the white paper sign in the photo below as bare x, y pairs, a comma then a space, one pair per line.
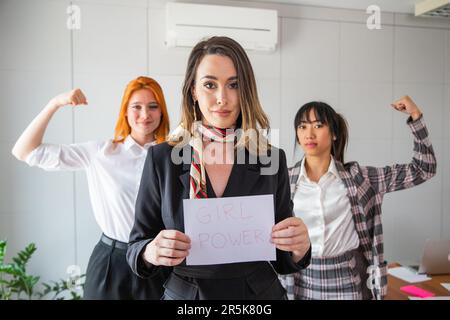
228, 230
407, 275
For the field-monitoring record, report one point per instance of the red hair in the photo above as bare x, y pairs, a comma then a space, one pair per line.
123, 129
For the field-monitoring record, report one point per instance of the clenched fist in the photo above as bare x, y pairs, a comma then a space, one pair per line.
407, 105
73, 97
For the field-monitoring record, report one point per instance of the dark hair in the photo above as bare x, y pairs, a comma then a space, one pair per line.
327, 115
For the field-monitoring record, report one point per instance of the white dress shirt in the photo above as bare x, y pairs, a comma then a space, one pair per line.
325, 209
113, 174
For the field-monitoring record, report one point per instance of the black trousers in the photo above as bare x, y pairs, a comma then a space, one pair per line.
109, 277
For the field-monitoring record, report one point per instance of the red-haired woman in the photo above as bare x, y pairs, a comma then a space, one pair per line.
113, 169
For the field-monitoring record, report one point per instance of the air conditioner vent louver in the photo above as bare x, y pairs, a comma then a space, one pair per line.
254, 29
433, 8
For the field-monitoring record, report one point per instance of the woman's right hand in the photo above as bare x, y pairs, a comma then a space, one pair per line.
169, 248
73, 97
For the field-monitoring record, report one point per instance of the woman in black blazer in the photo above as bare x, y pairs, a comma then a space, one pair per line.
217, 151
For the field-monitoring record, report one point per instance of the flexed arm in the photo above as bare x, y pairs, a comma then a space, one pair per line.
423, 164
31, 138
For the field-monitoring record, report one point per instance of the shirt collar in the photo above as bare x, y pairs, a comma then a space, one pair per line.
131, 143
303, 170
331, 169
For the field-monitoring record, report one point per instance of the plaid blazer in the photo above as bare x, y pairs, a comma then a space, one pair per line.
366, 187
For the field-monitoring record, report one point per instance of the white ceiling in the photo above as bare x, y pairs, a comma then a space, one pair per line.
405, 6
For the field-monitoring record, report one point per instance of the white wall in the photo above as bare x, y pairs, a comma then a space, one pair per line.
325, 54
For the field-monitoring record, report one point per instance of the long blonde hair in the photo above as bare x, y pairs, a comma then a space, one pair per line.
251, 116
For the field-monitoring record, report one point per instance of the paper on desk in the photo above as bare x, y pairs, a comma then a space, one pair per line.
430, 298
407, 275
446, 286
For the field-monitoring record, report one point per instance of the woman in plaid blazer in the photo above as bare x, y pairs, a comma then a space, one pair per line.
341, 204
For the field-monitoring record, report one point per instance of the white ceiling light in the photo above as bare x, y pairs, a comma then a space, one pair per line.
433, 8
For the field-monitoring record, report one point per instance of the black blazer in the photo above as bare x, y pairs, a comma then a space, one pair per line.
159, 206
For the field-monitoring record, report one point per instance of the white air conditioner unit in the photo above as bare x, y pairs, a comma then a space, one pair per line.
433, 8
254, 29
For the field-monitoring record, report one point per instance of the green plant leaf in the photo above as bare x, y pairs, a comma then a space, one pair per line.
23, 256
11, 269
2, 250
15, 281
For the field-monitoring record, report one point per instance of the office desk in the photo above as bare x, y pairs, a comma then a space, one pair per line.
433, 285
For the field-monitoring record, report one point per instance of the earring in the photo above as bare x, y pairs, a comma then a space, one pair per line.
195, 108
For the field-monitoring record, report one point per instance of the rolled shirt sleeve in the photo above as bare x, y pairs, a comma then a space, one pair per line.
60, 157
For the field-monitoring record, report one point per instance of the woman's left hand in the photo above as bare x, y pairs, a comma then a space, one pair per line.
407, 105
291, 235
